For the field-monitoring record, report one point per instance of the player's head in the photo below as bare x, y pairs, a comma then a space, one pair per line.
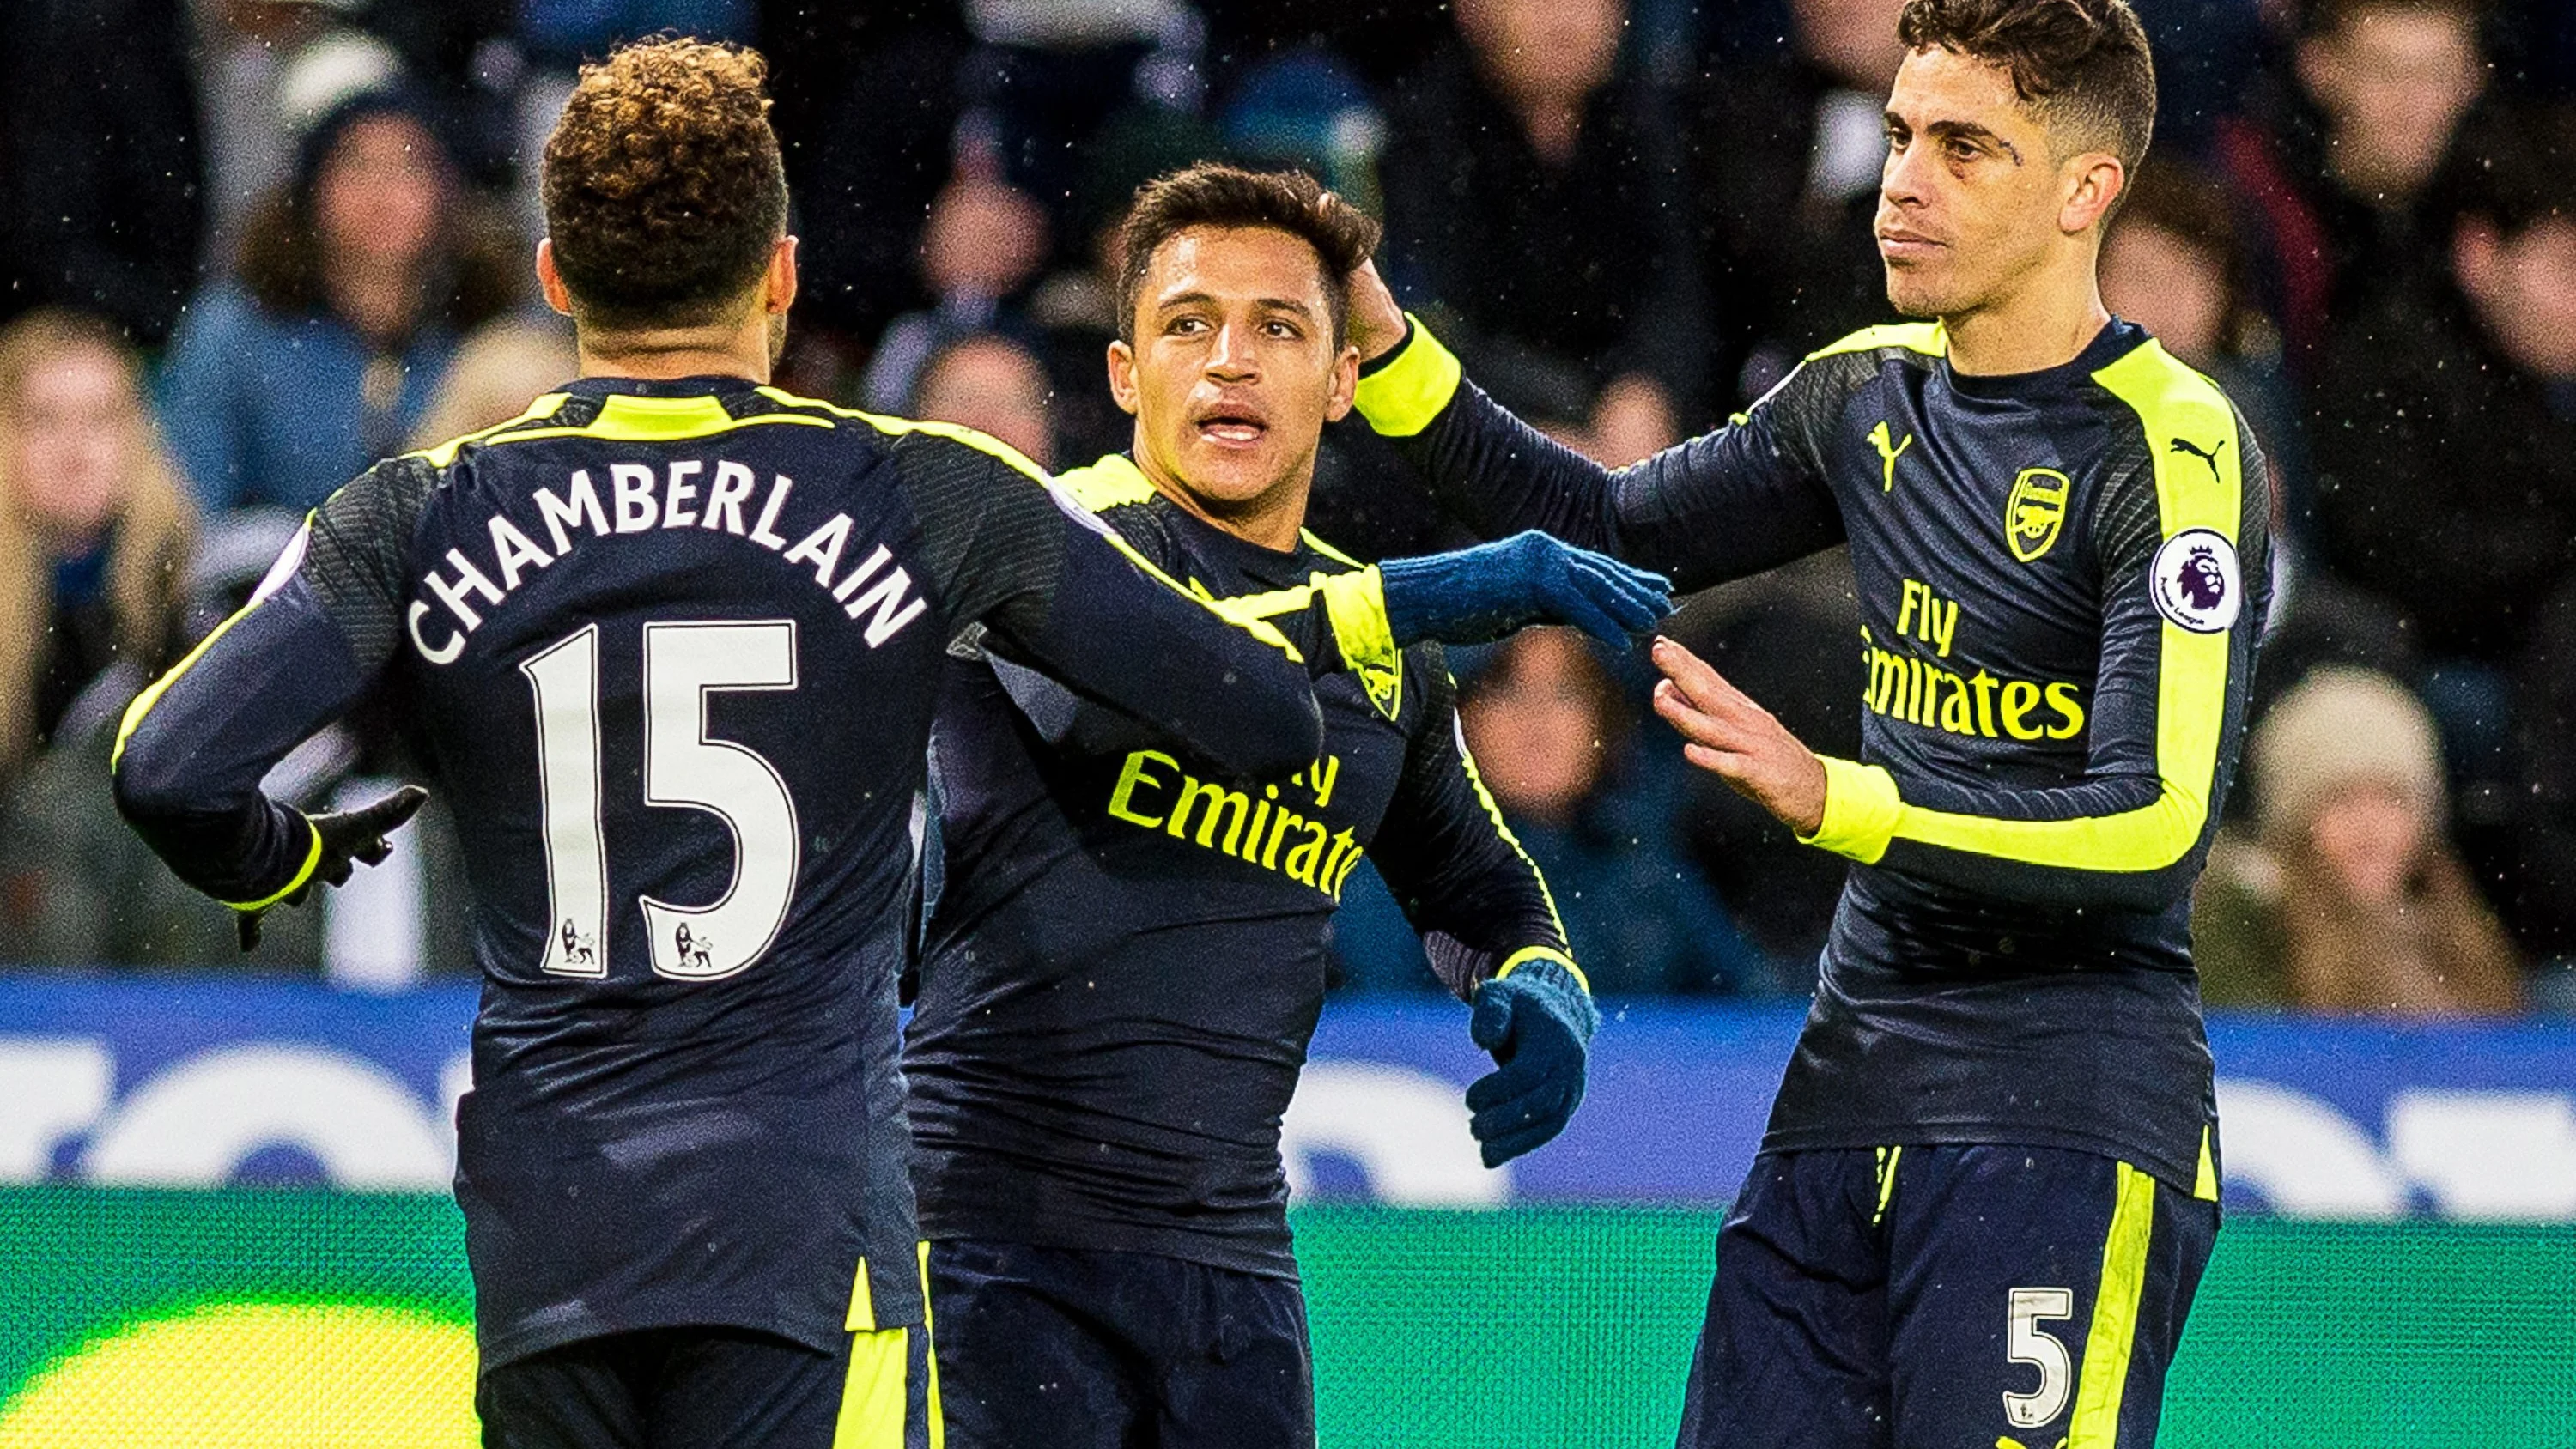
666, 201
1231, 350
2012, 130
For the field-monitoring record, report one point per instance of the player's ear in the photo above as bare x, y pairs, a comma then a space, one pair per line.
550, 280
1122, 375
778, 288
1346, 384
2094, 181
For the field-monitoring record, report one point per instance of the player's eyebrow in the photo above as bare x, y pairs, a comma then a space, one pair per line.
1962, 131
1276, 304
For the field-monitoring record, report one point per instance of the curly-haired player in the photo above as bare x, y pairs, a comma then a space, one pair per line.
674, 637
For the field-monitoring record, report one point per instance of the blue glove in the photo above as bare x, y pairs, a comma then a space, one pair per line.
1538, 1023
1482, 593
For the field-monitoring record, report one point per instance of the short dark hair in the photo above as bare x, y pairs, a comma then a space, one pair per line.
663, 187
2083, 64
1211, 194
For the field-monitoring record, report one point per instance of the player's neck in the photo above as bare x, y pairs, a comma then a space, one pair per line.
662, 353
1271, 521
2044, 325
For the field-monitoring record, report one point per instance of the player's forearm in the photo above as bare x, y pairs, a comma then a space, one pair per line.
1109, 631
1497, 473
195, 747
2131, 842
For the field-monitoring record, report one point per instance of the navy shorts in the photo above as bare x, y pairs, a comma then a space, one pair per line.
1939, 1296
1075, 1349
714, 1388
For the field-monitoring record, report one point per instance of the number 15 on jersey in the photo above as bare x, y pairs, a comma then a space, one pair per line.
684, 767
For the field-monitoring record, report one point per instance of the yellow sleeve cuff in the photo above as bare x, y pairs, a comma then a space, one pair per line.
1527, 954
1355, 602
1861, 811
303, 873
1401, 398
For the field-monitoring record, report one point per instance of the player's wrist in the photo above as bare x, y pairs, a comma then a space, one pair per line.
1550, 976
1861, 806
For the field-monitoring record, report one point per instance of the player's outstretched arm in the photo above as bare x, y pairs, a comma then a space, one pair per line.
1745, 498
1491, 932
196, 744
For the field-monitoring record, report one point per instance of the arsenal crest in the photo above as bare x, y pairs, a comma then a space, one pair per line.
2034, 513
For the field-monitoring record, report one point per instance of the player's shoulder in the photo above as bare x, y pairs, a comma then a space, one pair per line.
932, 443
2176, 433
1841, 370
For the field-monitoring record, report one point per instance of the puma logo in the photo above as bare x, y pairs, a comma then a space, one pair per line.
1879, 438
2207, 455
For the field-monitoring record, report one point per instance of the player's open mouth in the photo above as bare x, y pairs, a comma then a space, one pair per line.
1232, 430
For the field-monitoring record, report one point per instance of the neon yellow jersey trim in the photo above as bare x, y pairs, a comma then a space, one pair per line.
873, 1395
1861, 811
628, 418
1113, 482
2204, 1183
1401, 399
151, 696
2113, 1336
983, 443
442, 454
1929, 338
1355, 602
1527, 954
303, 873
862, 1317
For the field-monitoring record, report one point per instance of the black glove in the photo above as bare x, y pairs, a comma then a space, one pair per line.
1538, 1023
1482, 593
349, 838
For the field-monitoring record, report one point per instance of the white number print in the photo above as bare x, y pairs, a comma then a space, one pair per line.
683, 664
684, 767
2036, 1346
566, 679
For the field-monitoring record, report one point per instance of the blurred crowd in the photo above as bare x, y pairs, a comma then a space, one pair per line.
253, 244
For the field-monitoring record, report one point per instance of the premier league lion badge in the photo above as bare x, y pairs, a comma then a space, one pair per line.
2195, 581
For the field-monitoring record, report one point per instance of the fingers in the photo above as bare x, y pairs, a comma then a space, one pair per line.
1694, 724
388, 814
1499, 1150
1702, 685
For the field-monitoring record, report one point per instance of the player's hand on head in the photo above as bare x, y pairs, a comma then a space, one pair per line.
1538, 1023
349, 838
1477, 594
1376, 322
1727, 734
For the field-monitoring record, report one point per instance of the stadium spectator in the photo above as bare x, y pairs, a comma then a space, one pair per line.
2346, 897
268, 70
93, 524
2344, 172
2446, 429
1552, 743
1785, 147
1532, 193
505, 365
355, 282
981, 246
101, 179
991, 384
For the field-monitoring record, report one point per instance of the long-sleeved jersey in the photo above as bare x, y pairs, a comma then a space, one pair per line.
2062, 579
674, 648
1124, 960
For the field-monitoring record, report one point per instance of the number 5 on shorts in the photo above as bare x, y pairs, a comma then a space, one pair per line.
2031, 1344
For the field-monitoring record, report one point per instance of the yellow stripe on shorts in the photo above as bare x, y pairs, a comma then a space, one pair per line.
2114, 1333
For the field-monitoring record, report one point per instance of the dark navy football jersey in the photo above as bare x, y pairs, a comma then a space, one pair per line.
674, 649
1125, 957
2062, 580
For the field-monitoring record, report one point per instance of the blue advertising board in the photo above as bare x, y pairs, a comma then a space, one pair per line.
196, 1081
